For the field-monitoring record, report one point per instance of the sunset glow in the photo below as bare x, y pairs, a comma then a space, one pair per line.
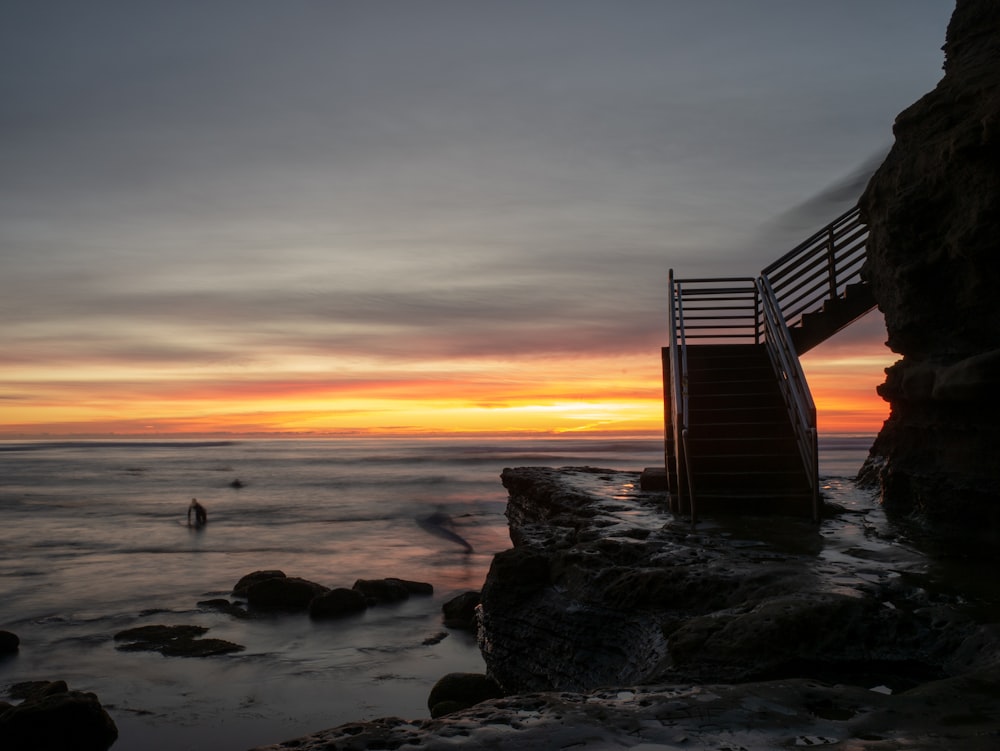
575, 395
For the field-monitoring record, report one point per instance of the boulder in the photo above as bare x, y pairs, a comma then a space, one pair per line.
337, 602
285, 593
460, 612
173, 641
457, 691
9, 643
240, 590
53, 718
391, 590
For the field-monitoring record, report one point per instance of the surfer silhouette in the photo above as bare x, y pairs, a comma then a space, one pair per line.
200, 515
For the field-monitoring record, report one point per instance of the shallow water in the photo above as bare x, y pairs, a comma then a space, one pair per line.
94, 540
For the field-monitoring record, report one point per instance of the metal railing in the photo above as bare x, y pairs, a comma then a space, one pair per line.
717, 311
794, 387
735, 310
679, 392
820, 268
740, 310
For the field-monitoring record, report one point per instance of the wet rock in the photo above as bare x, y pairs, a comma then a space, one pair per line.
955, 713
173, 641
9, 643
240, 590
338, 602
457, 691
437, 638
37, 689
391, 589
53, 718
286, 593
460, 612
582, 602
224, 606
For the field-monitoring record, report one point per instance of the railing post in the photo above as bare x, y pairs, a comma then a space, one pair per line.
756, 315
832, 262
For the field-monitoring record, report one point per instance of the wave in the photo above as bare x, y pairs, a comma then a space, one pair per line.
102, 444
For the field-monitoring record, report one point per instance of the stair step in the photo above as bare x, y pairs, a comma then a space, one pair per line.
733, 385
744, 463
760, 400
701, 415
725, 377
747, 431
702, 443
753, 503
746, 482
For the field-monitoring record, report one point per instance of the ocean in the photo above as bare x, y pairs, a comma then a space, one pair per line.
94, 540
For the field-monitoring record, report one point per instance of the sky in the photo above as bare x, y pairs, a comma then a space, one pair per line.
418, 216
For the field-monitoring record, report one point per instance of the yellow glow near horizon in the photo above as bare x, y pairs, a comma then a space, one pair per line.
429, 397
542, 395
843, 387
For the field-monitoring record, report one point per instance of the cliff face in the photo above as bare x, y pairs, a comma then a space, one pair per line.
933, 211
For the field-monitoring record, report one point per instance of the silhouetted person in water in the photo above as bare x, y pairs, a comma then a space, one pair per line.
200, 515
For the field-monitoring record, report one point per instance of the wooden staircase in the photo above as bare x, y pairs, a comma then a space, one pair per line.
741, 423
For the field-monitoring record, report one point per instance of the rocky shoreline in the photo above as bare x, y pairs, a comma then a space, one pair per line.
744, 633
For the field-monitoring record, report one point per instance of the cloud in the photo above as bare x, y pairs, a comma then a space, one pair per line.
263, 188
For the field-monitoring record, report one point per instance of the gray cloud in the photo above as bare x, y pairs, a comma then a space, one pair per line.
492, 178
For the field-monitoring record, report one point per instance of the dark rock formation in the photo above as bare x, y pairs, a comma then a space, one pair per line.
240, 590
222, 605
959, 713
272, 590
391, 590
337, 602
9, 643
53, 718
283, 593
933, 211
173, 641
457, 691
460, 612
595, 593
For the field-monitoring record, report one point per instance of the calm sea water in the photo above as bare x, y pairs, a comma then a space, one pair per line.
94, 540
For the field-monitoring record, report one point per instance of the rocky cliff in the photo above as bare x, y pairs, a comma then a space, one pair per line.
933, 211
601, 588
